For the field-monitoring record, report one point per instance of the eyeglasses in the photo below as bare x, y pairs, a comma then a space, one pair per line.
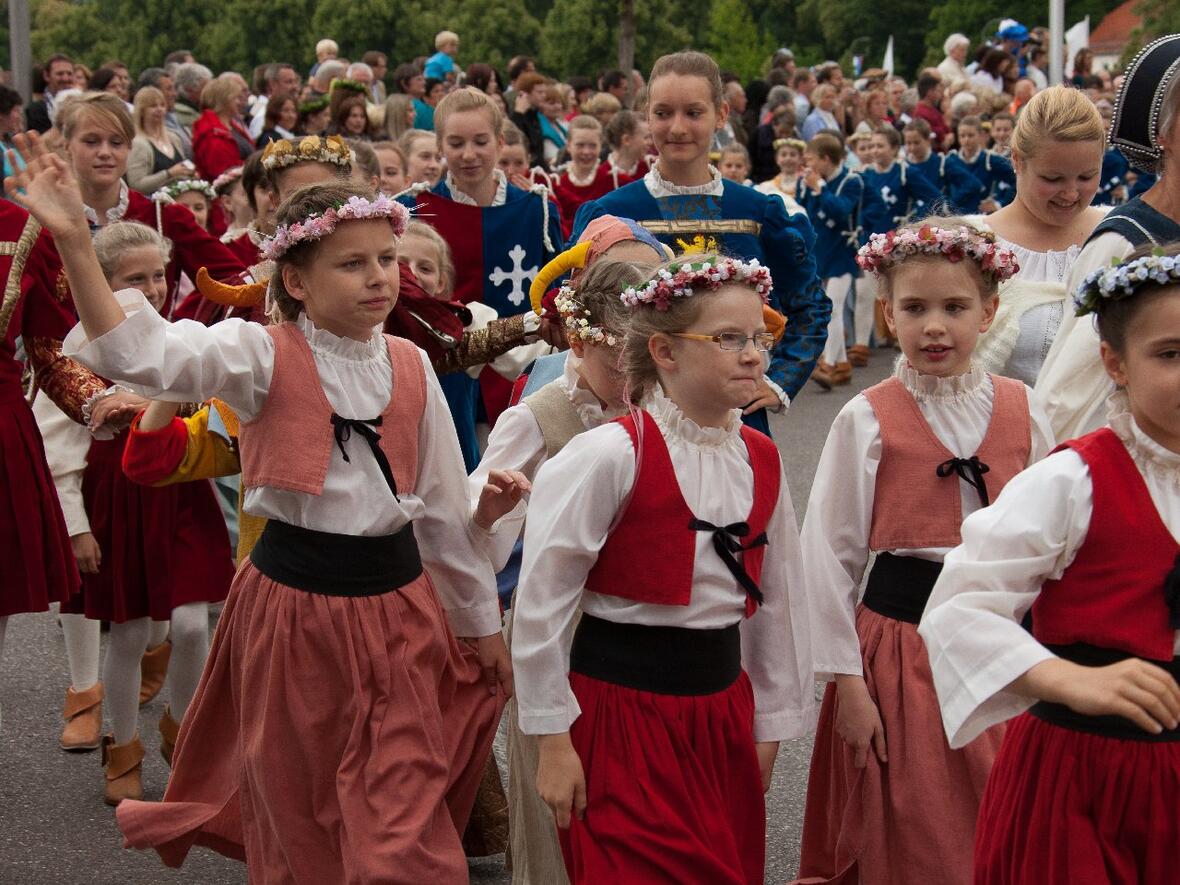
734, 341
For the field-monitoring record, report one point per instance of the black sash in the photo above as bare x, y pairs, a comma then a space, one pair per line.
900, 586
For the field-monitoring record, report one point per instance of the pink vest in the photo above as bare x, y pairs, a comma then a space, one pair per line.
651, 554
915, 507
289, 443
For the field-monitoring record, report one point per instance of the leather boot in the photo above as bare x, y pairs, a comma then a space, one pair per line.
153, 669
822, 374
83, 715
124, 770
842, 373
858, 355
169, 729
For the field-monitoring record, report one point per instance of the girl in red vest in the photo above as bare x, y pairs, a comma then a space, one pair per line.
336, 713
887, 800
672, 529
1087, 783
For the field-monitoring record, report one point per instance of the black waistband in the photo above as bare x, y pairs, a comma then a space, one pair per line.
899, 586
337, 565
664, 660
1103, 726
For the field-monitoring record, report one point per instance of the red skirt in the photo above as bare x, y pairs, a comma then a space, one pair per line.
331, 739
1067, 808
38, 562
913, 818
673, 788
161, 547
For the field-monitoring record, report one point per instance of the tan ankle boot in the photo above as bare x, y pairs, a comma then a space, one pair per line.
822, 374
169, 729
842, 373
858, 355
153, 670
83, 715
124, 770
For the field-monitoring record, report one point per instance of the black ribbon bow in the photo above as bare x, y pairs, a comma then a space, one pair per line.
1172, 594
971, 470
726, 543
342, 429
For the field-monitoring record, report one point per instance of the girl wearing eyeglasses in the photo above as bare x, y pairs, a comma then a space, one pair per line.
672, 530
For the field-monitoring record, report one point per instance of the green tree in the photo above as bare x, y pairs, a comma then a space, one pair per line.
493, 31
1158, 19
734, 40
581, 36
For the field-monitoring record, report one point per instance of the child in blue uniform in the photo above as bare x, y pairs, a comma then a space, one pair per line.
959, 188
902, 189
994, 172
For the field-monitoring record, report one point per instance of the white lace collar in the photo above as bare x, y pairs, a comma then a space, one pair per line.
580, 182
658, 186
585, 403
499, 199
933, 388
115, 213
1149, 456
332, 346
674, 424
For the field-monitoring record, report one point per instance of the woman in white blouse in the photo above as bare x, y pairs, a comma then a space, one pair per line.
1057, 153
157, 157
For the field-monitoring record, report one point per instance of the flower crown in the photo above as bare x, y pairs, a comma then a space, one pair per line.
347, 85
284, 152
226, 178
314, 105
954, 243
682, 279
1121, 281
316, 227
169, 192
576, 319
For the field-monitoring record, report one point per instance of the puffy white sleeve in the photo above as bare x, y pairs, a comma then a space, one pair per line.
776, 640
184, 361
971, 625
67, 444
461, 573
515, 443
835, 537
1043, 438
575, 499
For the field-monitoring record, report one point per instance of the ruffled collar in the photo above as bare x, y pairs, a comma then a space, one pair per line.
585, 403
673, 423
580, 182
932, 388
1149, 456
115, 213
658, 186
467, 200
331, 346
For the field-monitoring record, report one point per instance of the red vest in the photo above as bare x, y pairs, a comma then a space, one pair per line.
1112, 594
650, 554
915, 507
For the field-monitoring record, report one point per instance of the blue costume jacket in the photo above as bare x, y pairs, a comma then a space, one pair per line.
1113, 175
995, 173
899, 192
961, 190
835, 214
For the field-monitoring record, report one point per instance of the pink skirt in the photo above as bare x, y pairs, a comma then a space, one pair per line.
331, 739
1067, 808
913, 818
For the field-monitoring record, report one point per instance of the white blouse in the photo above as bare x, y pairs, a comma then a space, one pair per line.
839, 518
186, 361
516, 443
1028, 536
577, 498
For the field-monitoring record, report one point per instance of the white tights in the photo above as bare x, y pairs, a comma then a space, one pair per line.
82, 640
836, 288
866, 299
121, 675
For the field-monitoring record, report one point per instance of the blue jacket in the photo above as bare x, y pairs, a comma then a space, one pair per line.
898, 192
835, 214
996, 174
1113, 176
746, 224
961, 191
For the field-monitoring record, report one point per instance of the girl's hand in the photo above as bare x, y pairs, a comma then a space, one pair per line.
1134, 689
521, 181
157, 415
46, 187
180, 170
858, 721
496, 662
117, 410
560, 778
87, 553
766, 399
500, 494
767, 753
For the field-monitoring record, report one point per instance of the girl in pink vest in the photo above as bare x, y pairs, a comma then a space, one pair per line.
1086, 787
336, 714
672, 529
888, 801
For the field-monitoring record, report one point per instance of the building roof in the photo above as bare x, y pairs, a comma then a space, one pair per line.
1114, 31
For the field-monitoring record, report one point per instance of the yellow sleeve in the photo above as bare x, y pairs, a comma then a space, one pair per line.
206, 454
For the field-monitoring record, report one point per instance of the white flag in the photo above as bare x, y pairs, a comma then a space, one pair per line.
887, 64
1077, 37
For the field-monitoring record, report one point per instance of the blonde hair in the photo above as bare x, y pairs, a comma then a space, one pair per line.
597, 291
737, 149
396, 106
114, 240
218, 92
1058, 113
446, 264
466, 99
104, 108
585, 121
601, 103
147, 96
690, 64
445, 37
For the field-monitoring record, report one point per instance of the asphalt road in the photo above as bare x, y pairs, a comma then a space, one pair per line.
55, 829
